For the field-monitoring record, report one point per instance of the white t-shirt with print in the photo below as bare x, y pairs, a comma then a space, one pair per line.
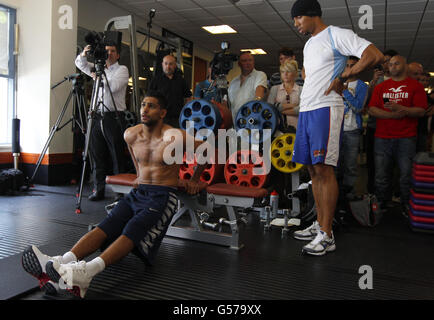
325, 57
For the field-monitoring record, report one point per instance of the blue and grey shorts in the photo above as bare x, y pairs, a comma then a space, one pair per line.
143, 216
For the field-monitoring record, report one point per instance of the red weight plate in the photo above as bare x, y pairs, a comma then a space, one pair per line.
239, 173
213, 173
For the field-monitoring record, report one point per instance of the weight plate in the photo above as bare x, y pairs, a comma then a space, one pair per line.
281, 153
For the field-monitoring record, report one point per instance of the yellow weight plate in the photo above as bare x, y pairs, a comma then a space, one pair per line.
281, 153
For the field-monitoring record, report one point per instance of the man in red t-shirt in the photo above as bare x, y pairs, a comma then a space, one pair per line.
397, 104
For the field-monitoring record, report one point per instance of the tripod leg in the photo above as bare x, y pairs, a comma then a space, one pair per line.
92, 110
83, 173
81, 108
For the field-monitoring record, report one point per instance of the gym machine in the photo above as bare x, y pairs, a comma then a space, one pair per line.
234, 189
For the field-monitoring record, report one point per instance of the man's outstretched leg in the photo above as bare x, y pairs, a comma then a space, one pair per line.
39, 265
124, 230
78, 276
34, 262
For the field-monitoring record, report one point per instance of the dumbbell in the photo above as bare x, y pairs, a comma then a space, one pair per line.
267, 225
209, 225
285, 229
229, 223
203, 222
223, 221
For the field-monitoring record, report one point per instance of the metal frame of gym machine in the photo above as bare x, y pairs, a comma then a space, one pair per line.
196, 231
129, 23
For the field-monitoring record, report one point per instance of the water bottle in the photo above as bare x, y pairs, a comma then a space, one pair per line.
274, 203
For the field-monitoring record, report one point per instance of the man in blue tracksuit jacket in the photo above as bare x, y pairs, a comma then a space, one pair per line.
354, 100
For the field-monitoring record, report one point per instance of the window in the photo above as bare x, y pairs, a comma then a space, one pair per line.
7, 72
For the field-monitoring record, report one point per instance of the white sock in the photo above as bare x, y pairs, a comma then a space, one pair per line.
68, 257
95, 266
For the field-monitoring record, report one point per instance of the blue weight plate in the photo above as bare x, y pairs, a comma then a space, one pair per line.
255, 116
204, 114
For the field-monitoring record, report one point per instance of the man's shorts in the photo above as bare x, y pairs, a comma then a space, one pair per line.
143, 216
318, 137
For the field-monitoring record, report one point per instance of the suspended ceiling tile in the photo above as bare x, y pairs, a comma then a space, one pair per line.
235, 20
254, 8
413, 6
222, 11
281, 6
403, 17
195, 14
144, 8
178, 4
262, 17
211, 3
274, 23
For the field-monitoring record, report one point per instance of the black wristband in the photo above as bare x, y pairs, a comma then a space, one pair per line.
342, 79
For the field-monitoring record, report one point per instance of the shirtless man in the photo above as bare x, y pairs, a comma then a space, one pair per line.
139, 221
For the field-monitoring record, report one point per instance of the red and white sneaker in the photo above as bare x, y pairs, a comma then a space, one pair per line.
73, 276
34, 262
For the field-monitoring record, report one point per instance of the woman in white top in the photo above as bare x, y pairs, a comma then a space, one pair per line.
287, 94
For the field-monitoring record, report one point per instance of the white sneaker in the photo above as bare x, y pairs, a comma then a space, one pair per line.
309, 233
34, 262
320, 245
73, 276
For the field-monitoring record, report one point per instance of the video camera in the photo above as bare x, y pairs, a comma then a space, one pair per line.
98, 41
222, 62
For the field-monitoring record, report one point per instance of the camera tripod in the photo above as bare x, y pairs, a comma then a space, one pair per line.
78, 112
95, 103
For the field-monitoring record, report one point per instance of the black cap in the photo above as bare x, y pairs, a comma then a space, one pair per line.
310, 8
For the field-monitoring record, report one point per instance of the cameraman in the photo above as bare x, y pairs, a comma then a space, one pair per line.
106, 142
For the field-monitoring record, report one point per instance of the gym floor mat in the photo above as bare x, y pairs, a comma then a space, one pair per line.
269, 267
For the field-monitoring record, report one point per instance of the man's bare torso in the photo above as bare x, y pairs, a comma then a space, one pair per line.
147, 150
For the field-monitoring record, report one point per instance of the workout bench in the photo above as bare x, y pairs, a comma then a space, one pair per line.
201, 207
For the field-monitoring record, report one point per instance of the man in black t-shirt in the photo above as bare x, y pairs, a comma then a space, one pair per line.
173, 86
